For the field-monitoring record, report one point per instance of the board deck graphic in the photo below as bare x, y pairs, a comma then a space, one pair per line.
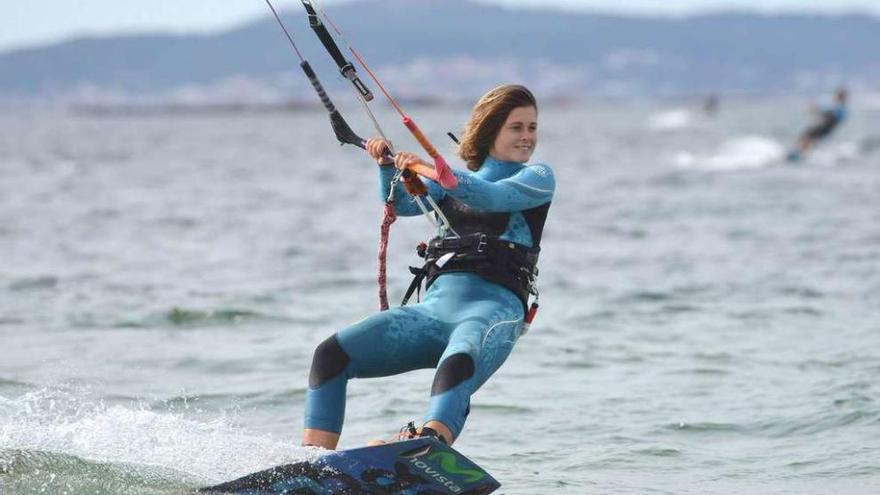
422, 466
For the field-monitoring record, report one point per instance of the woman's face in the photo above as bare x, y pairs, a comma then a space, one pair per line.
518, 136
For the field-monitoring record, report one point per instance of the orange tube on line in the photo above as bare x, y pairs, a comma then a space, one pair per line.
424, 170
411, 181
420, 137
441, 173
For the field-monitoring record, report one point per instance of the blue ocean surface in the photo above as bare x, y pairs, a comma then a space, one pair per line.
709, 322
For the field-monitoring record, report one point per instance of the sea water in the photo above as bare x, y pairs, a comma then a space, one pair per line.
709, 322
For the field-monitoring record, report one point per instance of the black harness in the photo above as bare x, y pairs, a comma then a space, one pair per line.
480, 250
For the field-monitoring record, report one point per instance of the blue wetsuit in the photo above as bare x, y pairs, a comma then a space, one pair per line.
465, 326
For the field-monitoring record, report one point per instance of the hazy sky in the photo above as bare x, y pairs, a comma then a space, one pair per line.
25, 23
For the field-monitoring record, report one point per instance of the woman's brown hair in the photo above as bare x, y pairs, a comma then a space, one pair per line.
487, 118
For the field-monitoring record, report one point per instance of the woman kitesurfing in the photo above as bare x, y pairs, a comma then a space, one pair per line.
478, 278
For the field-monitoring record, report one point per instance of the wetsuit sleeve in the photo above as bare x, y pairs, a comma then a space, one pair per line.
532, 186
404, 204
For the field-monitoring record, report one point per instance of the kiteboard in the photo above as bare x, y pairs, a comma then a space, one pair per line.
422, 466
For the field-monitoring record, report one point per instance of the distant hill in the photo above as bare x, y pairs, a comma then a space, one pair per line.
457, 48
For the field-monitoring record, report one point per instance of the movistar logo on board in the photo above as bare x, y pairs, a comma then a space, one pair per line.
449, 463
448, 466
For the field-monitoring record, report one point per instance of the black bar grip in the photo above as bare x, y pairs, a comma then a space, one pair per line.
313, 78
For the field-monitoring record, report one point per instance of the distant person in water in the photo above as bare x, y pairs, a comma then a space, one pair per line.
710, 105
829, 119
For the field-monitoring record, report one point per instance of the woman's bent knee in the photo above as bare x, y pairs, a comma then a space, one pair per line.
452, 372
328, 362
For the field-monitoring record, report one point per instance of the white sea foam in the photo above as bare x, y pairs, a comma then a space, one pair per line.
746, 152
54, 420
671, 120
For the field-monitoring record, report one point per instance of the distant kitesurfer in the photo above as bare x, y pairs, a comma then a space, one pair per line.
478, 277
828, 120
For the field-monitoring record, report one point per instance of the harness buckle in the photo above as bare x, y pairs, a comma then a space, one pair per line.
481, 246
348, 71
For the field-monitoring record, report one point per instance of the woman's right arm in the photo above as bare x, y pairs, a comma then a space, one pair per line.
404, 203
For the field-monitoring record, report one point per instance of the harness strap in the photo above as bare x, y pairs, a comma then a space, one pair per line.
502, 262
416, 285
420, 273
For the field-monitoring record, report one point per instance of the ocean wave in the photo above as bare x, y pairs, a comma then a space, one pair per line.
671, 120
783, 427
34, 283
35, 471
188, 317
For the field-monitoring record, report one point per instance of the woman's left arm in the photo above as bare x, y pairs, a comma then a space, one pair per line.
530, 187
